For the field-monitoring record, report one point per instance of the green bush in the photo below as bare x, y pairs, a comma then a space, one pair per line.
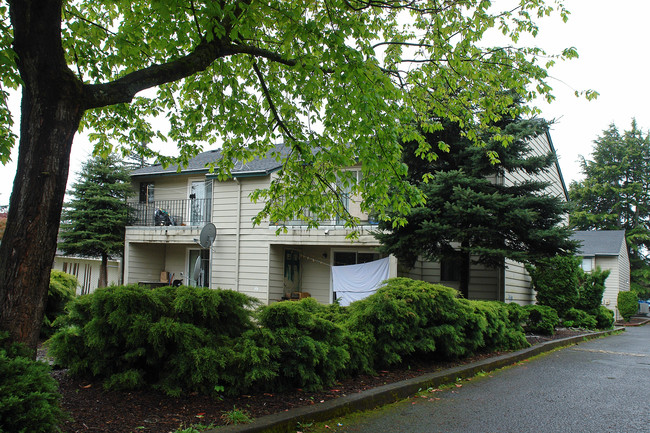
574, 318
29, 398
541, 319
592, 287
556, 281
174, 338
604, 317
61, 291
407, 318
628, 304
310, 351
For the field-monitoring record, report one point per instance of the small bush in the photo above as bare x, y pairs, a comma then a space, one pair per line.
61, 291
29, 398
574, 318
541, 319
556, 281
592, 287
604, 317
628, 304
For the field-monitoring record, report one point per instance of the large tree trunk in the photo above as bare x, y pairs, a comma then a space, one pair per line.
50, 115
103, 272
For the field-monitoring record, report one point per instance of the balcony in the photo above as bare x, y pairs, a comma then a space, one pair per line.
189, 212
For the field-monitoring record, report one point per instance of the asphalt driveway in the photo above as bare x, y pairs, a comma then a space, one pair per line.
598, 386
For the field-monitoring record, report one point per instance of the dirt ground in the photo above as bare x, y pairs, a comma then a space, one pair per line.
92, 409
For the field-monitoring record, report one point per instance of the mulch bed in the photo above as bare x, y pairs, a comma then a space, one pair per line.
92, 409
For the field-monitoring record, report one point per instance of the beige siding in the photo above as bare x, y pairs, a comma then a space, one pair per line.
540, 146
518, 285
145, 262
483, 284
316, 272
612, 283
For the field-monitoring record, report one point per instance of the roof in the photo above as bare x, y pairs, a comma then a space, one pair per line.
198, 164
599, 242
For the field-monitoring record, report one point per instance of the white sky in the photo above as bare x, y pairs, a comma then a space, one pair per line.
611, 40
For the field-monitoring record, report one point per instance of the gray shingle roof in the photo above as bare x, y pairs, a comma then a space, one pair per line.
198, 164
599, 242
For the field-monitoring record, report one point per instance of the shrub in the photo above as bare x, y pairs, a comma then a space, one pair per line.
408, 317
556, 281
592, 287
61, 291
628, 304
308, 350
604, 317
500, 332
174, 338
574, 318
541, 319
29, 398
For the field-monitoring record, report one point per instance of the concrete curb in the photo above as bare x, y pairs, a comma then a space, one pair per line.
286, 422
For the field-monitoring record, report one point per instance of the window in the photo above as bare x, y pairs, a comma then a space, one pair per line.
146, 192
450, 269
343, 258
587, 264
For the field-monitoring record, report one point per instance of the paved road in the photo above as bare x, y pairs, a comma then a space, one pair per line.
597, 386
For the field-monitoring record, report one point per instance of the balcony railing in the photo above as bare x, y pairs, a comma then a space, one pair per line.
192, 212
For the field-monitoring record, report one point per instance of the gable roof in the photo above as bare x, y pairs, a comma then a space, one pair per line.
599, 242
198, 164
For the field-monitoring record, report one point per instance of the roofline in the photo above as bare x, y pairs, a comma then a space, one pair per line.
171, 173
557, 164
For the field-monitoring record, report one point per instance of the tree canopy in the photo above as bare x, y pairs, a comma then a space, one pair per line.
478, 211
339, 81
95, 220
615, 195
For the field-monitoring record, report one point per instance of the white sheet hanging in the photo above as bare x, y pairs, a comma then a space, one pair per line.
354, 282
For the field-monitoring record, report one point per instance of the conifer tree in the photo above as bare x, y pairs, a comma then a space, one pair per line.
95, 220
470, 214
615, 195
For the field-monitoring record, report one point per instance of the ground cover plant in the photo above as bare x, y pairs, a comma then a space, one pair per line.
187, 339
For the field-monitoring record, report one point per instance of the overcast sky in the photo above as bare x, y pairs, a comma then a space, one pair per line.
611, 40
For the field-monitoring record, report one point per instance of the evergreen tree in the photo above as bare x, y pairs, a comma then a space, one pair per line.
95, 220
615, 195
470, 213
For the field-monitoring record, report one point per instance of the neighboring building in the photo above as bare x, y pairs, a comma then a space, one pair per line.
172, 206
606, 249
86, 269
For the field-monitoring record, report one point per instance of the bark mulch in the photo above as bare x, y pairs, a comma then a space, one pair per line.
92, 409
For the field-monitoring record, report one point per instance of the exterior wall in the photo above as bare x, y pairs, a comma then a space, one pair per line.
87, 271
143, 262
612, 283
518, 284
541, 145
483, 282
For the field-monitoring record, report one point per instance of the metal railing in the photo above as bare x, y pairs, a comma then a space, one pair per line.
189, 212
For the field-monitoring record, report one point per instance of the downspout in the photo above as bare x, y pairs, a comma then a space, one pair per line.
238, 234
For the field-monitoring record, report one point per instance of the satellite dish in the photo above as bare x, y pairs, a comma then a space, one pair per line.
208, 235
196, 273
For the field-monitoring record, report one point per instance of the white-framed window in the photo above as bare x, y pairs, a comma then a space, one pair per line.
587, 264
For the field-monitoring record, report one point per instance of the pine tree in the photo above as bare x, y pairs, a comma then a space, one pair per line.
95, 220
470, 213
615, 195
